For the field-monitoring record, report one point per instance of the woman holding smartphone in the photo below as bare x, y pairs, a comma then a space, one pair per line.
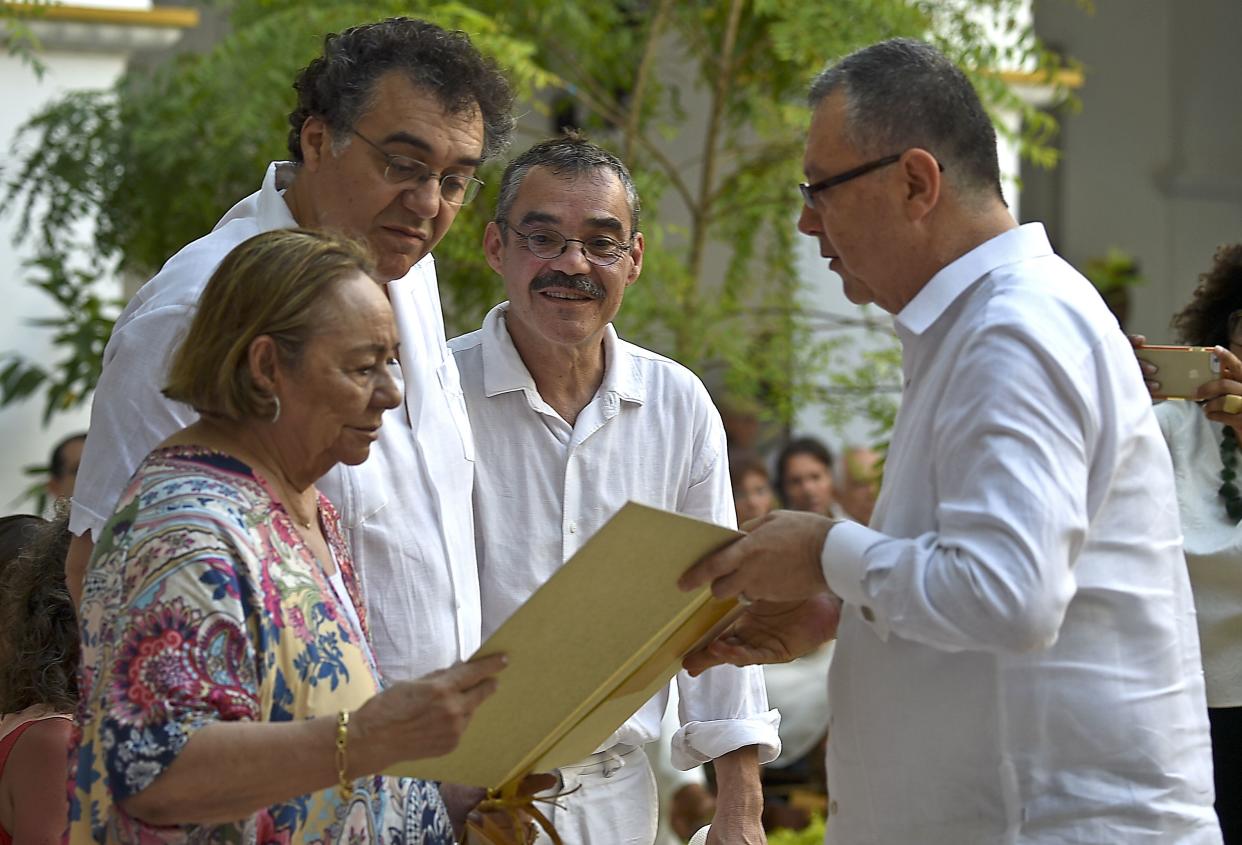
1203, 442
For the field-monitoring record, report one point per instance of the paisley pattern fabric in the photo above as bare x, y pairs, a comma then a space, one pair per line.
202, 604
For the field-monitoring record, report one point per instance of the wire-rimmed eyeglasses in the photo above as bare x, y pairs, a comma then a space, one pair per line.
455, 188
547, 244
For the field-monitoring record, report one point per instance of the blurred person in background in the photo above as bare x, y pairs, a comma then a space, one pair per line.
1203, 442
752, 489
860, 483
229, 686
63, 467
804, 477
38, 686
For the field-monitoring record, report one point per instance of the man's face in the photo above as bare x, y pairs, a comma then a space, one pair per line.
852, 221
348, 191
564, 301
808, 484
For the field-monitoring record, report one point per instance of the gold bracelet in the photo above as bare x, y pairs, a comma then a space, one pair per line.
342, 754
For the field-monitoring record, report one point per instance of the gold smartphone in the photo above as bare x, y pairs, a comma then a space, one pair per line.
1181, 370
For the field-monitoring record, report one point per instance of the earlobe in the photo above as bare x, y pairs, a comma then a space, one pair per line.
923, 182
636, 258
316, 140
492, 244
261, 358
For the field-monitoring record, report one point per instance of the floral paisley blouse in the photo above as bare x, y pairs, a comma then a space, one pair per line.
203, 604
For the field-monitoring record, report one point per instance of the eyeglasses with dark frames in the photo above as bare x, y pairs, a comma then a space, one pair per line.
547, 244
809, 191
455, 189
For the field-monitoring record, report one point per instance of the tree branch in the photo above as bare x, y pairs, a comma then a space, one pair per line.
640, 78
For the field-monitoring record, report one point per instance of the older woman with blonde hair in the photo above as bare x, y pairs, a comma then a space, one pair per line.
228, 690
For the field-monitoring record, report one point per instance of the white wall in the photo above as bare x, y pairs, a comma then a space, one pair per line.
1150, 163
23, 440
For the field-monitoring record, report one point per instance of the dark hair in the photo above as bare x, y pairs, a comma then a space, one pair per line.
338, 86
569, 156
903, 93
742, 464
802, 446
57, 466
38, 629
1205, 320
15, 533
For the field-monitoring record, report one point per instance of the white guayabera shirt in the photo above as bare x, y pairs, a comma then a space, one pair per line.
1017, 660
406, 510
543, 487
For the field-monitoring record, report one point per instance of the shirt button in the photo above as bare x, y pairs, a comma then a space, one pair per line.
573, 528
868, 613
832, 808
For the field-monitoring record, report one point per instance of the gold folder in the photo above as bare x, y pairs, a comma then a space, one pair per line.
588, 649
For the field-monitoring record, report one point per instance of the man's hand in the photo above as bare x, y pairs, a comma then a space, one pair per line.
771, 632
777, 561
460, 800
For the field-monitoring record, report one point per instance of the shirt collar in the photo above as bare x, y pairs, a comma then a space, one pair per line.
954, 279
504, 370
273, 212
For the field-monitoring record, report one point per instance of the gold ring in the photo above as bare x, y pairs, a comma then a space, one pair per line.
1232, 404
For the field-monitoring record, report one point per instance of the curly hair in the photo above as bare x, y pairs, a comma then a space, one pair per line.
338, 85
1205, 321
39, 649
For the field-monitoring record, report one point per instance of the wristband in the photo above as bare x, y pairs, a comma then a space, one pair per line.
342, 754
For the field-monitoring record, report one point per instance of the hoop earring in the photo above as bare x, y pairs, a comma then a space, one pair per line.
276, 413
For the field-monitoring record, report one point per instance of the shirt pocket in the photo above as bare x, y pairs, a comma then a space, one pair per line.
455, 399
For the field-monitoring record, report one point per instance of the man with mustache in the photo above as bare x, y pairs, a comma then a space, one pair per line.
570, 423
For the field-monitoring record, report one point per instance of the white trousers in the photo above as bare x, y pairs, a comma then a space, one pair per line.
614, 802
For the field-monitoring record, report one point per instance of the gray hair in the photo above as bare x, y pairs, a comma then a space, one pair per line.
570, 155
903, 93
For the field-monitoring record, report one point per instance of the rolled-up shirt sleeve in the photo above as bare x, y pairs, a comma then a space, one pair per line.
725, 708
1010, 449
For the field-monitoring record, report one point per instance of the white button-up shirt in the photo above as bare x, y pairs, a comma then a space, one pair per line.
1017, 659
406, 510
543, 487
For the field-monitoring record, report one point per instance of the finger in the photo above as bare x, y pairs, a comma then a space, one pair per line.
712, 567
734, 584
1230, 364
1136, 340
477, 694
538, 782
1218, 387
699, 661
468, 674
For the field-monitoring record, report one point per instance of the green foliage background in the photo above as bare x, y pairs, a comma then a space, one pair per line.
156, 161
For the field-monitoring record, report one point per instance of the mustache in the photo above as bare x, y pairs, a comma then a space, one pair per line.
557, 279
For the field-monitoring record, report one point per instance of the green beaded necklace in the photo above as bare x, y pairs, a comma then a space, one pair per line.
1229, 474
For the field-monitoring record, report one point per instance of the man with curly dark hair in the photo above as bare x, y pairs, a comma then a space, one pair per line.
38, 686
391, 123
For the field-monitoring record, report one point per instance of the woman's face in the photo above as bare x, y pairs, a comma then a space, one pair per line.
753, 498
333, 400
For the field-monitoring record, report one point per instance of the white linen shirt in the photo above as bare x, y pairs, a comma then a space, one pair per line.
543, 487
1017, 659
1213, 545
406, 510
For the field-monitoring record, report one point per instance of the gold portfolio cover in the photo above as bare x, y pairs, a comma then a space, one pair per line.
588, 649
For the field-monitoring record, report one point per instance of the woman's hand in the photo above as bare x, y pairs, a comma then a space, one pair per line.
1222, 397
421, 718
1147, 368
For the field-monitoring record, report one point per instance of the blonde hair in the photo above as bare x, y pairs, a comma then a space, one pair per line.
273, 284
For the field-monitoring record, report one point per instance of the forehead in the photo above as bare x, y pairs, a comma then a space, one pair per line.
398, 109
826, 146
359, 311
571, 200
